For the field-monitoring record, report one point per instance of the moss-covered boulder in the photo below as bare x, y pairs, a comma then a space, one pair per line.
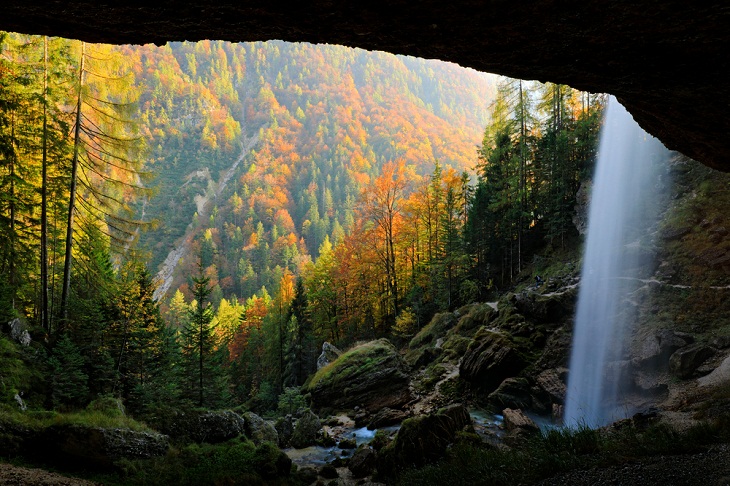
490, 358
421, 440
306, 431
259, 430
212, 427
285, 430
270, 462
372, 375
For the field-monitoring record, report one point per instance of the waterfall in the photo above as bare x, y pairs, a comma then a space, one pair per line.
623, 205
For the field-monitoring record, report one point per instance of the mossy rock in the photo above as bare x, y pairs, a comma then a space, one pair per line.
421, 440
372, 375
491, 358
473, 317
270, 462
455, 346
435, 329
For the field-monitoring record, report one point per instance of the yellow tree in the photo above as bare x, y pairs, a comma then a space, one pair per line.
382, 205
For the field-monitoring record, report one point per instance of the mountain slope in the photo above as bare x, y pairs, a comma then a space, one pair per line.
325, 119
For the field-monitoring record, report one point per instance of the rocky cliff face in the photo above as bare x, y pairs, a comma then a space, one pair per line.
664, 60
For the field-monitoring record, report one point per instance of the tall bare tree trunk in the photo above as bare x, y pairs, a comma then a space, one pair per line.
72, 195
45, 320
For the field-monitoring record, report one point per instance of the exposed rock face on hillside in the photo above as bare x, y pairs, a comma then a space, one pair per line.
664, 60
372, 376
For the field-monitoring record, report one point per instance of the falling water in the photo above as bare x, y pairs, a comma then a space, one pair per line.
623, 205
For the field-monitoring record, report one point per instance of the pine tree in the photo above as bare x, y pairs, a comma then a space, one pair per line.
201, 355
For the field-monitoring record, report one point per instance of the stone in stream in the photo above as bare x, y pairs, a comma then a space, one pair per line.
362, 463
306, 431
516, 420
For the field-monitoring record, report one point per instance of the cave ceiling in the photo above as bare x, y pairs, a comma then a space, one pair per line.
666, 61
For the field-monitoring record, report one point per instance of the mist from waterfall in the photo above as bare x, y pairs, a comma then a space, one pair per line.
623, 205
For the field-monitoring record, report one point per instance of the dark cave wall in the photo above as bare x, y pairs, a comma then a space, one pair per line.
665, 60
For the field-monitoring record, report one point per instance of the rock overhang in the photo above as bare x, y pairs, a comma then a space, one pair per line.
664, 60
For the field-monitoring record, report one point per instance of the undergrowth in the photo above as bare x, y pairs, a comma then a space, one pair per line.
561, 450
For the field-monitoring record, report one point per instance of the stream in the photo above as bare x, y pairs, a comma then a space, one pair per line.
487, 425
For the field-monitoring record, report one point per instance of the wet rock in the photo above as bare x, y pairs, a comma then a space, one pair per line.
362, 463
490, 358
556, 351
387, 416
515, 419
372, 375
259, 430
285, 429
329, 354
553, 381
347, 444
686, 360
460, 415
546, 308
306, 431
512, 393
656, 349
99, 447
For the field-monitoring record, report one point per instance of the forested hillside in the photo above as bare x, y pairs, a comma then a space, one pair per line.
268, 145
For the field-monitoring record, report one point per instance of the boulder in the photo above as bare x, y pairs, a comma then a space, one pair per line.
490, 358
347, 444
420, 440
306, 475
552, 381
546, 308
99, 447
19, 332
259, 430
719, 376
655, 350
372, 375
686, 360
329, 354
460, 415
385, 417
285, 429
270, 462
516, 420
362, 463
306, 431
196, 426
512, 393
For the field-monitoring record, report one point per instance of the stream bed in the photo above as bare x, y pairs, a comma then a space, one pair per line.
487, 425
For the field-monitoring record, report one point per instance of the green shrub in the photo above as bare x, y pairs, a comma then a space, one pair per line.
290, 401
